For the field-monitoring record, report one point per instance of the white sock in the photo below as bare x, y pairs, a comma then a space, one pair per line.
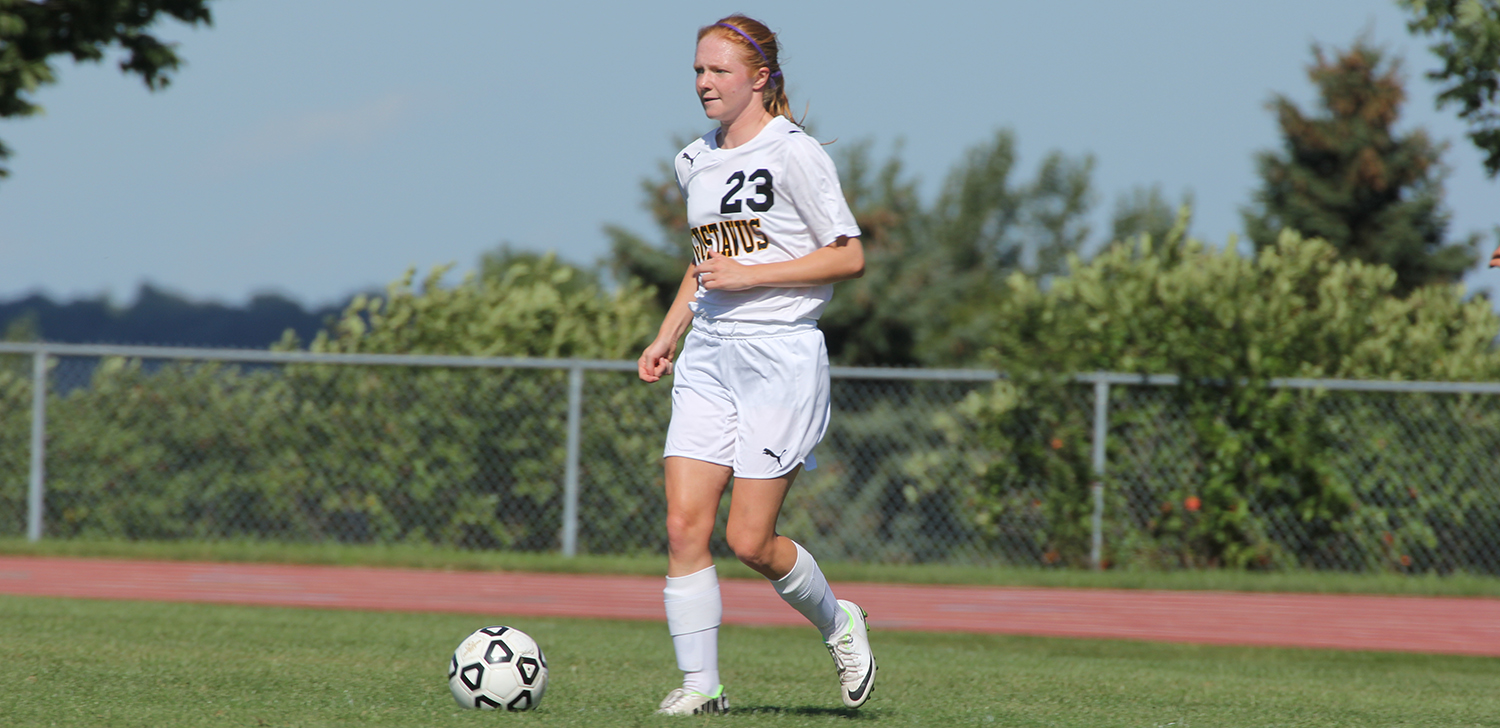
694, 611
704, 647
808, 592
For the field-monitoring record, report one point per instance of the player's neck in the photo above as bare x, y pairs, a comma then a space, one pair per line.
742, 130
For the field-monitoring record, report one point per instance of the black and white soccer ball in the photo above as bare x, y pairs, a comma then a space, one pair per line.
498, 667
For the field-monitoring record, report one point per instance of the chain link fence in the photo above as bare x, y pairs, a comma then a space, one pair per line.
144, 444
1419, 464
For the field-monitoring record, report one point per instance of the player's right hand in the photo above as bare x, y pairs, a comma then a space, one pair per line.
656, 361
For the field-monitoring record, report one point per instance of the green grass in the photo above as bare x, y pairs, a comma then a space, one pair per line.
652, 565
126, 664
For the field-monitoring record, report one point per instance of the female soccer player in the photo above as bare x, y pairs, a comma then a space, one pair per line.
771, 234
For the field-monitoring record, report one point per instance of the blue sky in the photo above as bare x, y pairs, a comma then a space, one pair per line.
317, 148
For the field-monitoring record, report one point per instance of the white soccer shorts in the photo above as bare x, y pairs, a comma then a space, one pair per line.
750, 396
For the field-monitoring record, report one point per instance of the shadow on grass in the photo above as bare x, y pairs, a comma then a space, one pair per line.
849, 713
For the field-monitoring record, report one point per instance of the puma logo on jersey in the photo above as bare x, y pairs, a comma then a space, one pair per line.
774, 455
728, 238
689, 158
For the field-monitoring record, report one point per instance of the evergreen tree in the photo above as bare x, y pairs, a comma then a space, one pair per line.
1346, 176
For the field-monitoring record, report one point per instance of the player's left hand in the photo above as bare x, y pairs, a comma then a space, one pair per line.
720, 273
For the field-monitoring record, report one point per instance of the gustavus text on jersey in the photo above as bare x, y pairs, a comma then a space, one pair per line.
729, 238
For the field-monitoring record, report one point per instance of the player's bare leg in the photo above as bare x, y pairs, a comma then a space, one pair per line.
794, 573
691, 597
751, 531
694, 488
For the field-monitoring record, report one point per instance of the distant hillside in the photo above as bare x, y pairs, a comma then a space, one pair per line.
161, 318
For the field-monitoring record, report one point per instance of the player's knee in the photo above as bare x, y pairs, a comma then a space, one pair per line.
757, 558
677, 525
752, 549
686, 532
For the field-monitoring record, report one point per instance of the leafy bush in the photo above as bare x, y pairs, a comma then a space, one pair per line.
314, 452
15, 442
488, 459
1226, 324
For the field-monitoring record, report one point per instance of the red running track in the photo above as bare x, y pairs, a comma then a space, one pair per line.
1467, 626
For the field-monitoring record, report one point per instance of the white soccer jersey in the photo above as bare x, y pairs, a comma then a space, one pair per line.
773, 199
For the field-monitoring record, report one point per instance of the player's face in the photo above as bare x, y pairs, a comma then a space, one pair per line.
726, 86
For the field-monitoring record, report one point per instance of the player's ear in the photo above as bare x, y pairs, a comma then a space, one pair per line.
762, 79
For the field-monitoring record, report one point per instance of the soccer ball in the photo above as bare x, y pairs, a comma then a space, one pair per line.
498, 667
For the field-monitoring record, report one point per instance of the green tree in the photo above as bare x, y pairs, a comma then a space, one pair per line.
1468, 44
1347, 176
983, 226
32, 31
868, 322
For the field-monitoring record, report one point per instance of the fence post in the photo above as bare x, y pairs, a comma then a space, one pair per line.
35, 493
570, 473
1101, 430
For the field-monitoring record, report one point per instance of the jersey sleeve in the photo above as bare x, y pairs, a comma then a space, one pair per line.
681, 167
812, 185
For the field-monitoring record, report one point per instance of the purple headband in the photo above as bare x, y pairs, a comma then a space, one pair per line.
746, 36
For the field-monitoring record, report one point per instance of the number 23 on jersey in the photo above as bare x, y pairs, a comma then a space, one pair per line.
753, 191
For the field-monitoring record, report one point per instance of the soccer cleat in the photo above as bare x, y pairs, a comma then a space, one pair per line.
853, 658
690, 702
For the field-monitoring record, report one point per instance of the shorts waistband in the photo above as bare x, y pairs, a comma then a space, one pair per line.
750, 329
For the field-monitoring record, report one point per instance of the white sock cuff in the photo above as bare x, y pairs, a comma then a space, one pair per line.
797, 579
693, 603
681, 587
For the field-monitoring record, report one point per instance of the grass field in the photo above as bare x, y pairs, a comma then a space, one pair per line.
97, 663
1456, 585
